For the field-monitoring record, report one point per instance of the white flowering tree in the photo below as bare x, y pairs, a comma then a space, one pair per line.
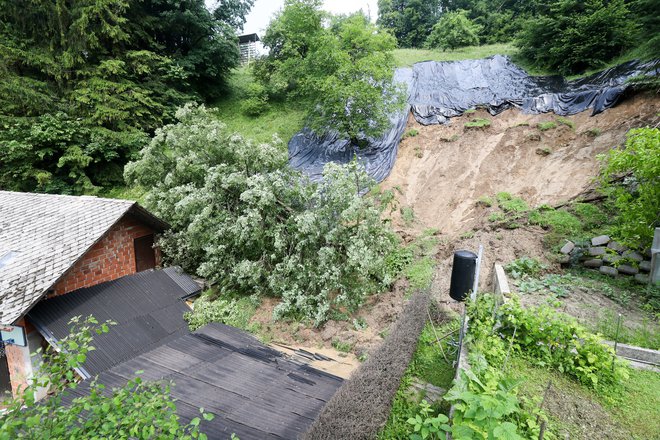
249, 224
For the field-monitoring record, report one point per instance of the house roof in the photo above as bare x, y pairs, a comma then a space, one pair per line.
43, 235
253, 390
146, 306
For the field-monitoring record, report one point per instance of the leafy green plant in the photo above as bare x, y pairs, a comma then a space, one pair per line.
483, 410
485, 201
549, 338
344, 347
508, 203
138, 409
524, 266
360, 323
545, 126
255, 101
477, 123
425, 425
236, 312
496, 217
637, 200
407, 214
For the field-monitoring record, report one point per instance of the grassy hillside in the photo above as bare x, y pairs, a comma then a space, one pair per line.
283, 119
408, 57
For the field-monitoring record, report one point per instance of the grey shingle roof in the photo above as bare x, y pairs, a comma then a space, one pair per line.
47, 235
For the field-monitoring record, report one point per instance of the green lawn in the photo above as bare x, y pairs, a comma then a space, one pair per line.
632, 407
408, 57
283, 119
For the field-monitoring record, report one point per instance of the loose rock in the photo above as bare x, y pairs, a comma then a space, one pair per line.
594, 262
616, 246
567, 248
642, 278
632, 255
645, 266
628, 270
607, 270
611, 258
596, 251
600, 240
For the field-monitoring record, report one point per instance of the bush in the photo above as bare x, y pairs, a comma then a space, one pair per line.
574, 35
453, 30
255, 101
638, 198
547, 338
236, 312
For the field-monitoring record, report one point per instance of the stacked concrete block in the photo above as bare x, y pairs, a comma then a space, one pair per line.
609, 258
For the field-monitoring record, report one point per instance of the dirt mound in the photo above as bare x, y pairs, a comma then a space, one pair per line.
443, 170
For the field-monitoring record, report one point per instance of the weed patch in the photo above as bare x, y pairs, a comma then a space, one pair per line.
478, 123
567, 122
545, 126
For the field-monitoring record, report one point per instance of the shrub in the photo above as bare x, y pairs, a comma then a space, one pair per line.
236, 312
255, 101
453, 30
638, 199
547, 338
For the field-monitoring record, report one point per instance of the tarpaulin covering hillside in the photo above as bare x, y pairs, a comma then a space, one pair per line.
438, 91
310, 153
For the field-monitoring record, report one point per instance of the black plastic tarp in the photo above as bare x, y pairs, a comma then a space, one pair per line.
438, 91
310, 153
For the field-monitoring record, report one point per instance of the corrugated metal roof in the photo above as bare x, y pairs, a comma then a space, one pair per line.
47, 234
147, 307
253, 390
184, 281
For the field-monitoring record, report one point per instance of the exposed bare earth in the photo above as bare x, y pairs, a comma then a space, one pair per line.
442, 172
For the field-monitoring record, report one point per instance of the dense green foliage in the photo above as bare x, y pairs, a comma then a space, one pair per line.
453, 30
252, 226
637, 199
342, 67
575, 35
545, 337
138, 410
410, 21
83, 82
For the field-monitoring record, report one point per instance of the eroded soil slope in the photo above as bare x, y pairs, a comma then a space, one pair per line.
443, 170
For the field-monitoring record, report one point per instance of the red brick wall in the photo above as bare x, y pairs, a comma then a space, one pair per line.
111, 258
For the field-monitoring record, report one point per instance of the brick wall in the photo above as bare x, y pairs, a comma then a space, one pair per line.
111, 258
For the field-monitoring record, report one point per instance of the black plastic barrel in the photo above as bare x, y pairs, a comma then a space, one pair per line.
462, 274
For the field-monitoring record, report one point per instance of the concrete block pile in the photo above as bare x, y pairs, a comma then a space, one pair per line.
610, 258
